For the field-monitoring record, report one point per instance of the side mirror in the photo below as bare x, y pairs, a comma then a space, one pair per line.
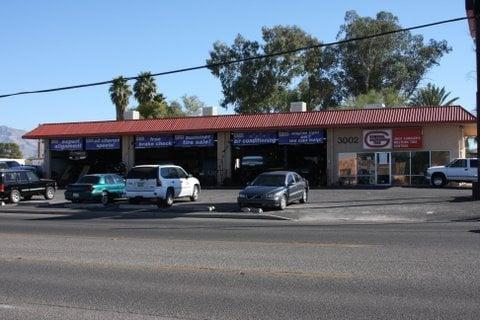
189, 175
291, 183
249, 183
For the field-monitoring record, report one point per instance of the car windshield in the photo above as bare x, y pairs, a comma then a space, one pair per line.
89, 179
270, 180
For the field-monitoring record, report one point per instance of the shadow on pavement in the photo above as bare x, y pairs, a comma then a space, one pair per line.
462, 199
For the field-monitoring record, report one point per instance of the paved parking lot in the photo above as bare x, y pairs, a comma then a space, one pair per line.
380, 205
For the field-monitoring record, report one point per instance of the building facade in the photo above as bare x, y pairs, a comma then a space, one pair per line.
387, 146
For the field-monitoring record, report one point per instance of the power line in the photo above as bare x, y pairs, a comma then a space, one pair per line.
219, 64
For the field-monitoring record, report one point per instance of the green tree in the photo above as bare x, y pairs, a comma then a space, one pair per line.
10, 150
432, 95
120, 93
389, 97
398, 61
266, 85
145, 88
152, 109
192, 105
174, 109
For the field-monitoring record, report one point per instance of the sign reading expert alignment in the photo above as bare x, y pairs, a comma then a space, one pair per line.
402, 138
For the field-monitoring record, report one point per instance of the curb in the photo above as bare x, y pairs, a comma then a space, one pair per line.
162, 214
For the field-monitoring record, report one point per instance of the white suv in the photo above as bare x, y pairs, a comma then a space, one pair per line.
460, 170
161, 183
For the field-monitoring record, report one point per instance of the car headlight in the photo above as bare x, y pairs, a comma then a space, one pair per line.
271, 196
242, 195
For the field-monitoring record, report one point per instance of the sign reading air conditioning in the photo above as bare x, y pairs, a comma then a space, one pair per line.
377, 139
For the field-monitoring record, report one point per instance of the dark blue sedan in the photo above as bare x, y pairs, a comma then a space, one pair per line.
274, 189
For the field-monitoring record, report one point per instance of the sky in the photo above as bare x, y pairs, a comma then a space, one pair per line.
46, 44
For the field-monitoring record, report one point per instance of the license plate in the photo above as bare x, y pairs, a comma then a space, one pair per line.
76, 195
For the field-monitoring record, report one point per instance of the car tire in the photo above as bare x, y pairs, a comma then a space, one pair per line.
105, 199
169, 198
283, 203
438, 180
196, 192
49, 193
14, 196
304, 197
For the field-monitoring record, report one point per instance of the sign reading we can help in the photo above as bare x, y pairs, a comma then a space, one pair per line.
408, 138
377, 139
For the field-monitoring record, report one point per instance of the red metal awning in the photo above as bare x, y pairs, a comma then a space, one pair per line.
364, 118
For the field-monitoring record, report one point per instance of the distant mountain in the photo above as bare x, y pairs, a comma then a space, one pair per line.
28, 147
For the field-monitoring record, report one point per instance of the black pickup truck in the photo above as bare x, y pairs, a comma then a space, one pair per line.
16, 184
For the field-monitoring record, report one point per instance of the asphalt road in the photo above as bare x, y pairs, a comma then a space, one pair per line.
54, 267
349, 205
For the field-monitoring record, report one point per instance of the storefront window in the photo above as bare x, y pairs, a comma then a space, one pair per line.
401, 168
420, 163
407, 168
440, 158
366, 168
347, 168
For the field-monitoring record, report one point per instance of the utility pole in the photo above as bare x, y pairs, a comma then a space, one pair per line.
473, 12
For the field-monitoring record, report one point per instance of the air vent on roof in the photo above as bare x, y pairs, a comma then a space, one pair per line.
298, 106
131, 115
375, 106
209, 111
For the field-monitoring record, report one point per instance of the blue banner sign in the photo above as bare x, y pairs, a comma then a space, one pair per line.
102, 143
147, 142
66, 144
301, 137
252, 138
200, 140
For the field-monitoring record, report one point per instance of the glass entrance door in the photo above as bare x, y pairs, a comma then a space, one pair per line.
382, 168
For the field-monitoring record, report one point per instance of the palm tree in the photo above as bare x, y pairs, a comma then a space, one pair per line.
145, 88
120, 94
431, 95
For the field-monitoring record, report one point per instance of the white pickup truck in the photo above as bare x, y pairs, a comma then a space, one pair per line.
459, 170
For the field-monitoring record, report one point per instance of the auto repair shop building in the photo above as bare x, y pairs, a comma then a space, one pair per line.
378, 146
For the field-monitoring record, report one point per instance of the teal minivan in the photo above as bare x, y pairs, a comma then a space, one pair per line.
96, 187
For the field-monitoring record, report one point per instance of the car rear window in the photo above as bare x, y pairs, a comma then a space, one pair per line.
89, 179
143, 173
474, 163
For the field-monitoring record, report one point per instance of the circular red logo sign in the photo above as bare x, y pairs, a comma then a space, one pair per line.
377, 139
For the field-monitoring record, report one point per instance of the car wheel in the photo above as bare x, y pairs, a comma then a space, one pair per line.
27, 197
304, 197
438, 180
195, 193
169, 198
15, 196
283, 203
105, 199
49, 193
